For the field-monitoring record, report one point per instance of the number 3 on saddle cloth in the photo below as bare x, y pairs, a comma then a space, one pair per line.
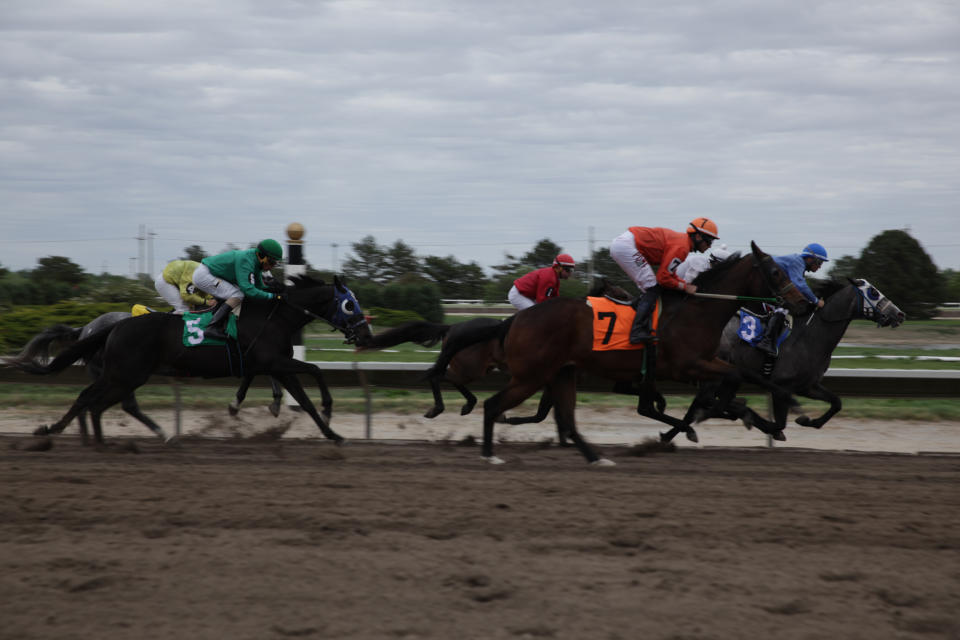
611, 324
753, 327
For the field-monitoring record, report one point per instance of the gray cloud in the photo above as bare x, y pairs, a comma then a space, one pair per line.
473, 128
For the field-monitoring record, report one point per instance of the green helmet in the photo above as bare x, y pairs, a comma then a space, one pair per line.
271, 249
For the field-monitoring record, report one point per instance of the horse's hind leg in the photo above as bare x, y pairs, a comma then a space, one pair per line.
563, 390
543, 410
131, 407
277, 397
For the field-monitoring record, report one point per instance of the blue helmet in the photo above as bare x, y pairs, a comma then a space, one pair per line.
814, 250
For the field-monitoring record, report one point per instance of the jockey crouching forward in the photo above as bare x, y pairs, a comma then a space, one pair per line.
231, 276
639, 247
175, 285
794, 265
541, 284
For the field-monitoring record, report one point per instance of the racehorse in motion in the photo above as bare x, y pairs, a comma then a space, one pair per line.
135, 348
477, 360
804, 355
37, 350
548, 343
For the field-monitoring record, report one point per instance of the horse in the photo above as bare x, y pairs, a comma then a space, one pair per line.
38, 350
137, 347
475, 361
546, 344
804, 355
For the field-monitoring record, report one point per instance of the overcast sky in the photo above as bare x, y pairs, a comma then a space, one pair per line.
473, 128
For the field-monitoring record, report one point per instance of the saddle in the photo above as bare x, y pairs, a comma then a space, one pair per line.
195, 323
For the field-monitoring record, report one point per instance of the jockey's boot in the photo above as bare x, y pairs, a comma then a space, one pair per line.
641, 331
768, 343
216, 330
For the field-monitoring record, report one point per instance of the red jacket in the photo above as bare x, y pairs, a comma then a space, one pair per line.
663, 247
539, 285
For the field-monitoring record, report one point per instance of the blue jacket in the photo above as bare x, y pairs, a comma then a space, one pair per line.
794, 266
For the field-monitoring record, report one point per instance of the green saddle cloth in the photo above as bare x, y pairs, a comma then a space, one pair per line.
195, 323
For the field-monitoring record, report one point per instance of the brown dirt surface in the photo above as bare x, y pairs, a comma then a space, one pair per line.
253, 537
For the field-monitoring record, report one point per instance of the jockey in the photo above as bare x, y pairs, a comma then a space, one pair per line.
794, 265
232, 275
639, 247
541, 284
175, 285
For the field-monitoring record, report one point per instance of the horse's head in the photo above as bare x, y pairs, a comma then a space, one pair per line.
779, 284
875, 306
347, 316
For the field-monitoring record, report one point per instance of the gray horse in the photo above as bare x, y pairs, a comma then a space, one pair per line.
39, 347
804, 355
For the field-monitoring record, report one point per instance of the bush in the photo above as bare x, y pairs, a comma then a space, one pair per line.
392, 317
22, 323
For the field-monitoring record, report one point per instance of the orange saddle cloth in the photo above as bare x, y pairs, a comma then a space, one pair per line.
612, 322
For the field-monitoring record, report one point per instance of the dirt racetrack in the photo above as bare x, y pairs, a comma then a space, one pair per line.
275, 538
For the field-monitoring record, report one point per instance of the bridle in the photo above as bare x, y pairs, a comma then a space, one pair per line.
347, 317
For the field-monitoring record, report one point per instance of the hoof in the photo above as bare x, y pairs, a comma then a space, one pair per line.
234, 409
603, 462
275, 409
692, 435
433, 413
665, 437
493, 459
42, 430
467, 408
778, 435
340, 441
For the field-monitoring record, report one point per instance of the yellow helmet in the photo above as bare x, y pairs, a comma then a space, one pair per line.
706, 226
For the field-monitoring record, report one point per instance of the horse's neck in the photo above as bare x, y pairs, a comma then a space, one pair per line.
819, 333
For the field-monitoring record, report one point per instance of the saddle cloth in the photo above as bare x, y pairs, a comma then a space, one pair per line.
611, 324
195, 323
753, 327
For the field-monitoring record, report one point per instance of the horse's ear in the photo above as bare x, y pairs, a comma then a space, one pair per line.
756, 250
338, 283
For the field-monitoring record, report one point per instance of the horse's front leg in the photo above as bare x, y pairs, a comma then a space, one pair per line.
234, 407
819, 392
277, 397
292, 384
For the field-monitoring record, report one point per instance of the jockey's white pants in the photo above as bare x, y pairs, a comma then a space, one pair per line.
518, 300
624, 252
217, 287
171, 293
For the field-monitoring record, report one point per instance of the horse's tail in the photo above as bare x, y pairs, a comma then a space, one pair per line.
38, 349
460, 340
423, 333
80, 349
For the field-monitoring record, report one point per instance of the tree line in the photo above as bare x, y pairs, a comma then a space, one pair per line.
394, 277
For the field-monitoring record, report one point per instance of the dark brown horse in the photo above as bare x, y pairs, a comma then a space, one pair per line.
548, 343
475, 361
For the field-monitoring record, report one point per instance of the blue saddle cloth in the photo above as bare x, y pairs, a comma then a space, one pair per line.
753, 327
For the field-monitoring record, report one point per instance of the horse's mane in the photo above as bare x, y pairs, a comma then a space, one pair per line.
603, 287
303, 281
826, 288
716, 271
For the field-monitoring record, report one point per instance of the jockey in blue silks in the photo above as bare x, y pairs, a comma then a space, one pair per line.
795, 265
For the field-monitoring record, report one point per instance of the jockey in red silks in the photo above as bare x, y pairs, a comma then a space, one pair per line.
638, 248
541, 284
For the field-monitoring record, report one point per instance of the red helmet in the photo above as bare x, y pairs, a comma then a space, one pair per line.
564, 260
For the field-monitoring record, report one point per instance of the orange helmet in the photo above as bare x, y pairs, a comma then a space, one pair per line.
564, 260
706, 226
